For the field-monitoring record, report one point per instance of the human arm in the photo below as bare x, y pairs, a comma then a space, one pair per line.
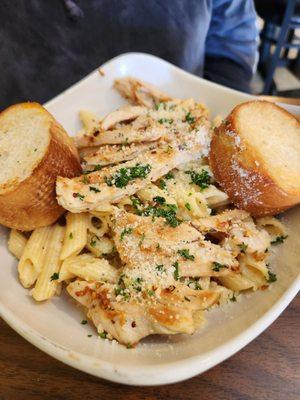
231, 44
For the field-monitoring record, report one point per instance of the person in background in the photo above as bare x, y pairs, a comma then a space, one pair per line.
46, 46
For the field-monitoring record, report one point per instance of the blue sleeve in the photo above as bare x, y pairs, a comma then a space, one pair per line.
233, 33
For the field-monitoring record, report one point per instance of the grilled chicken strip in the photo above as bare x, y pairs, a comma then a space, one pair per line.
93, 125
143, 129
151, 242
114, 154
125, 113
149, 297
139, 92
239, 231
130, 319
112, 184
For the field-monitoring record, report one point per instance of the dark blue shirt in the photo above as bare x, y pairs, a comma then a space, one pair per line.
48, 45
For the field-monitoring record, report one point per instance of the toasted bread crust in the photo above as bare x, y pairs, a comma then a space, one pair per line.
242, 175
32, 203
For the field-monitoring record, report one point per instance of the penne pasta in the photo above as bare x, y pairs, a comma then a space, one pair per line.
98, 225
99, 246
89, 268
273, 226
75, 234
236, 282
253, 275
248, 260
47, 281
191, 204
151, 191
16, 243
33, 256
215, 197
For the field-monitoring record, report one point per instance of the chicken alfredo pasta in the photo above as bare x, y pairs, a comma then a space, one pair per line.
149, 241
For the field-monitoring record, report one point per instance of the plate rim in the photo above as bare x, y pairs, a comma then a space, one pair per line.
151, 375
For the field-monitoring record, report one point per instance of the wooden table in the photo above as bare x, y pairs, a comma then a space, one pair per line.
268, 368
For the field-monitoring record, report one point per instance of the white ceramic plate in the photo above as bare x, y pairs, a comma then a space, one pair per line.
55, 327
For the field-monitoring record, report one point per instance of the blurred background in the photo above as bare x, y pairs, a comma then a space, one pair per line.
249, 45
279, 62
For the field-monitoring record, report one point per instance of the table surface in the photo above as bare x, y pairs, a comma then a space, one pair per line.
268, 368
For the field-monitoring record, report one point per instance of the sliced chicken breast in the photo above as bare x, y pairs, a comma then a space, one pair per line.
139, 92
123, 114
114, 154
151, 241
132, 318
112, 184
143, 129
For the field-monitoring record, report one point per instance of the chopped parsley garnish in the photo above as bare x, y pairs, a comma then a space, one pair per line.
188, 206
166, 211
217, 266
85, 179
97, 167
195, 284
54, 277
243, 246
202, 180
89, 335
151, 292
125, 231
121, 279
156, 106
125, 143
186, 298
158, 246
280, 239
122, 292
169, 175
189, 118
129, 346
79, 196
103, 335
185, 253
83, 322
233, 298
135, 202
93, 241
176, 270
123, 176
163, 120
94, 189
142, 239
162, 184
71, 235
169, 213
160, 268
136, 284
272, 277
159, 200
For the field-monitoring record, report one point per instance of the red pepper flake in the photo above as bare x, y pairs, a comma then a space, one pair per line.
83, 292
